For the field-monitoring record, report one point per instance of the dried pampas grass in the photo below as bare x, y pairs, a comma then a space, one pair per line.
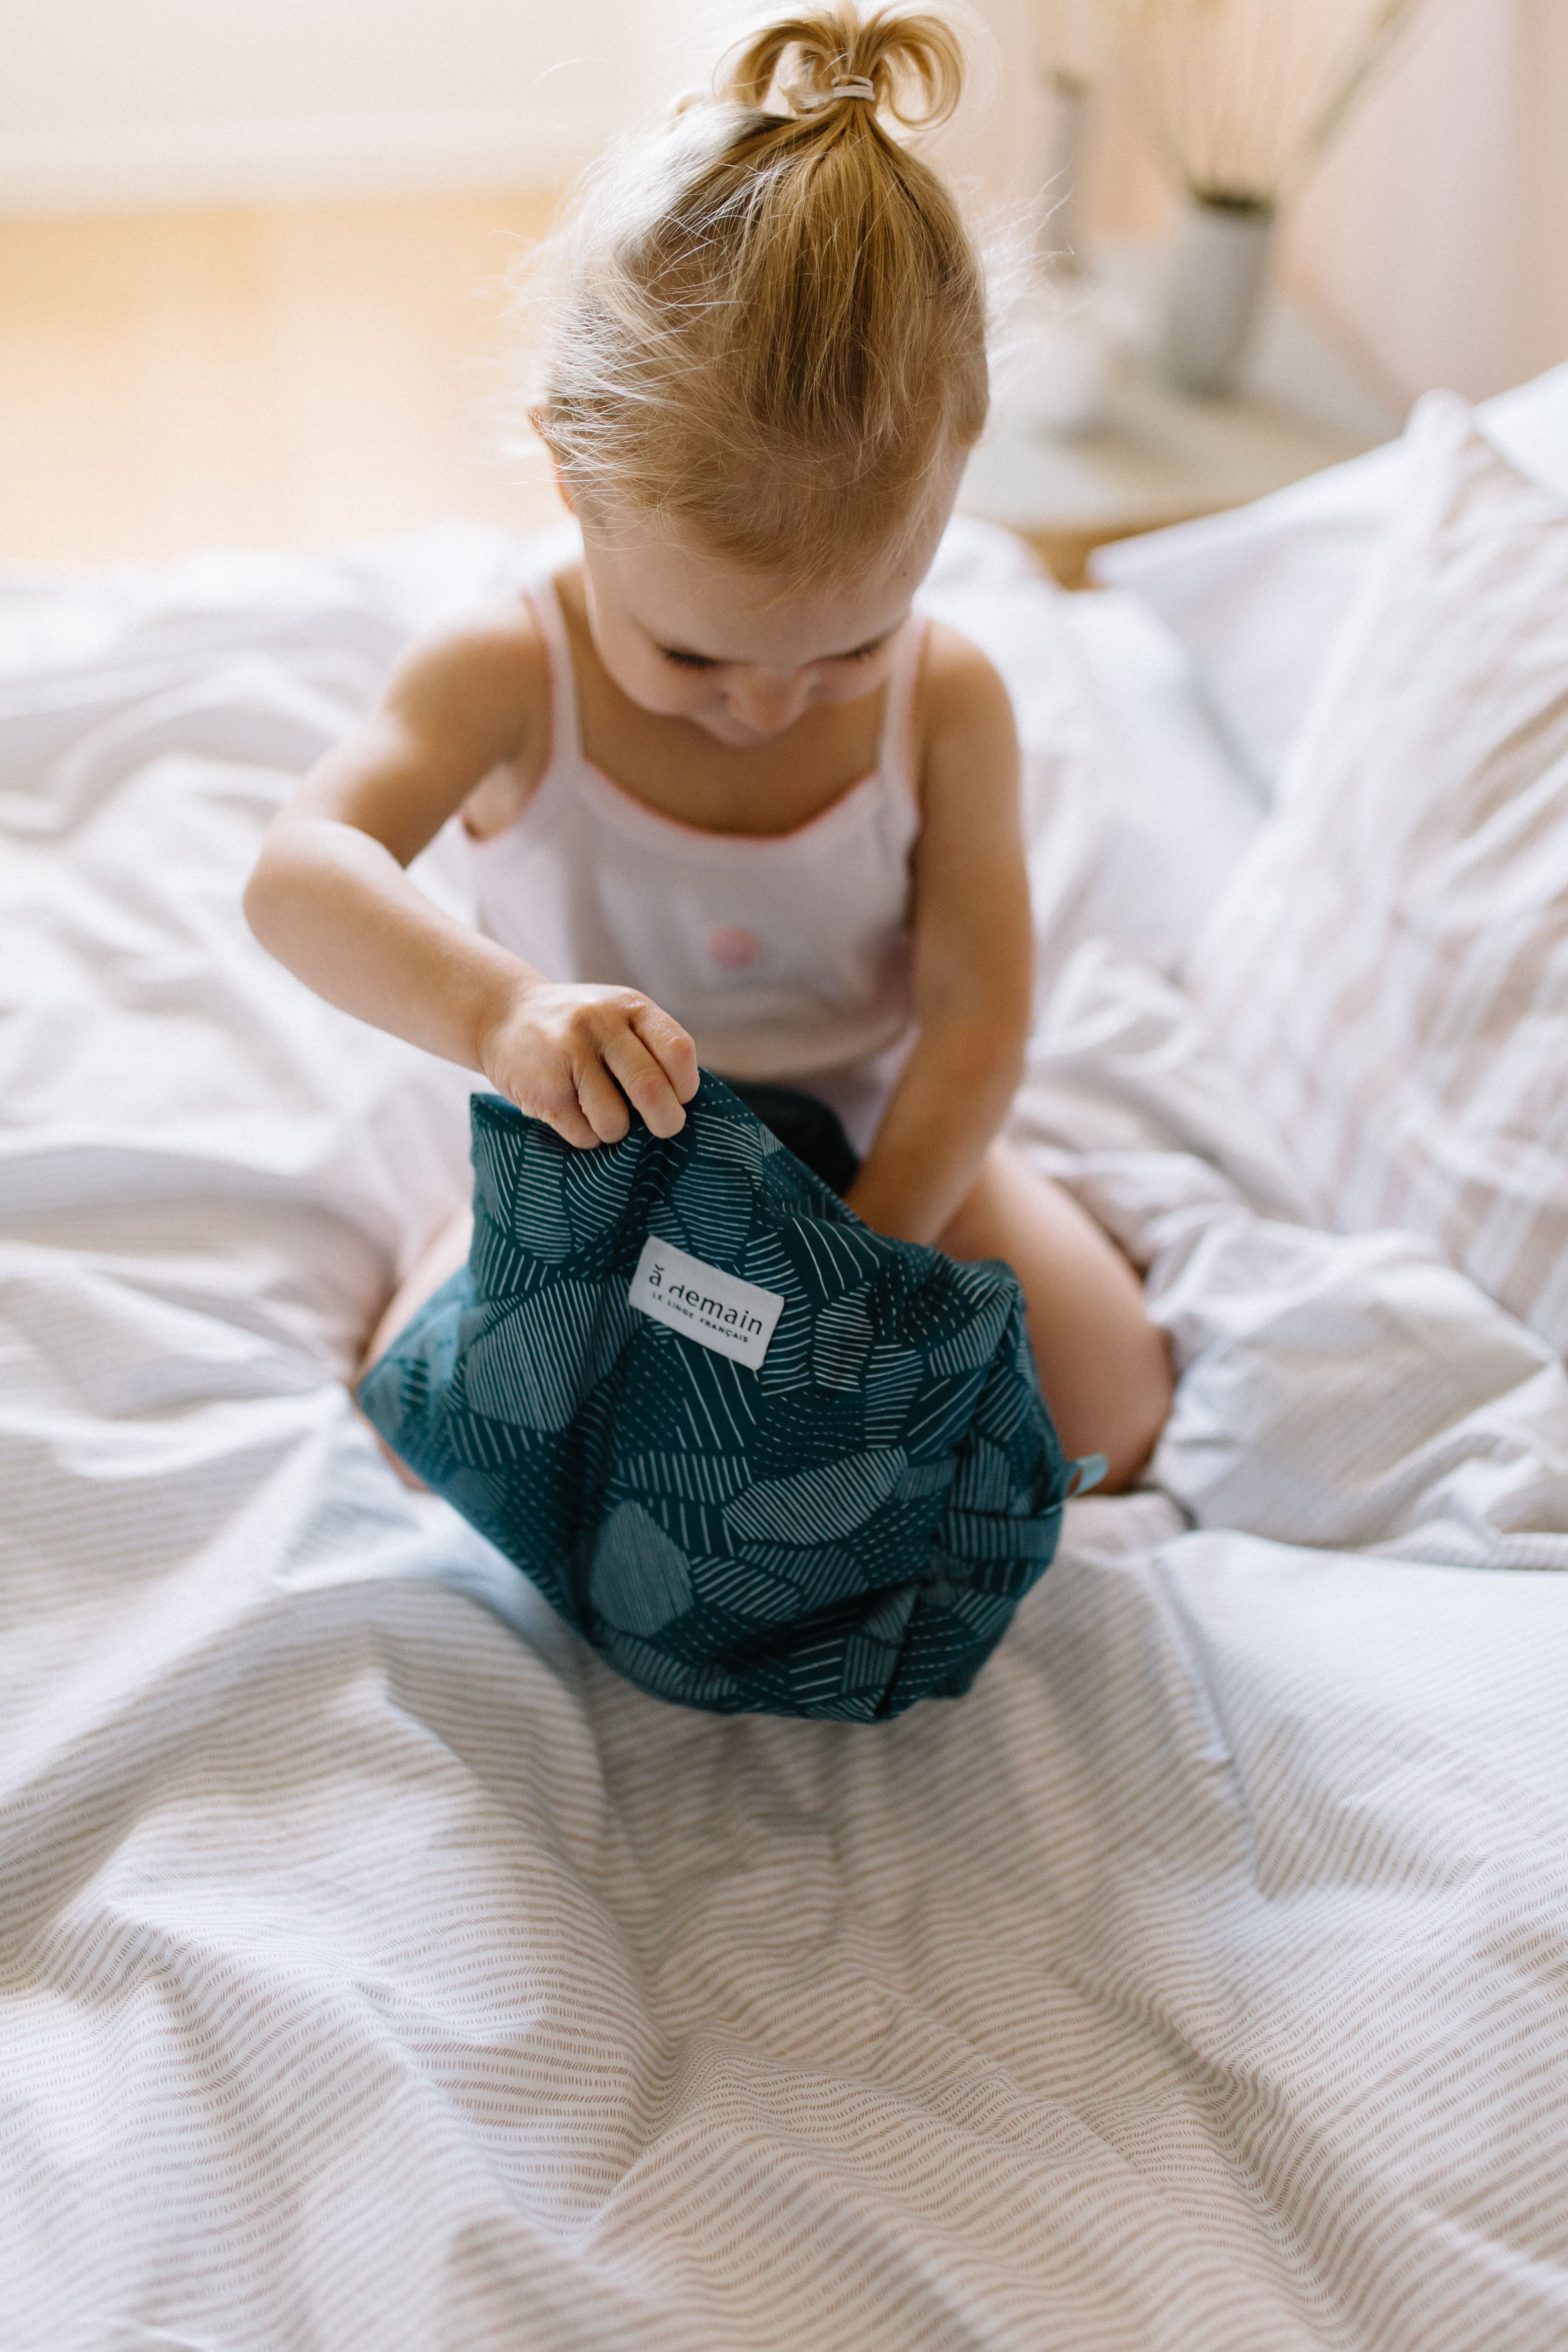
1243, 96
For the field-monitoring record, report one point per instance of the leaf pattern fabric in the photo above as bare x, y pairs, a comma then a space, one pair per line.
840, 1531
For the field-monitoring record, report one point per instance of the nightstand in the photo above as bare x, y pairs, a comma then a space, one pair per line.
1161, 456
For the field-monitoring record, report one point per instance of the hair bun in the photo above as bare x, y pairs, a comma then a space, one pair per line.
772, 330
908, 62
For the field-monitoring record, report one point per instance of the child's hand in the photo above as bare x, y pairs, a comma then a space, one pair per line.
574, 1056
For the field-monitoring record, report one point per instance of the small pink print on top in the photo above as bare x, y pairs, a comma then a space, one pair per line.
733, 948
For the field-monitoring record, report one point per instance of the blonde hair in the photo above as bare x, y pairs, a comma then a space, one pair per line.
771, 325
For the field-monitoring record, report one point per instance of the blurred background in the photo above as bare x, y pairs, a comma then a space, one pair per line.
253, 260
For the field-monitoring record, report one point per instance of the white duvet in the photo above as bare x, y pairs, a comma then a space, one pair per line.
377, 1971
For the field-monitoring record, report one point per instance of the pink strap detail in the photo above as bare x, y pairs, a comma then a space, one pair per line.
565, 730
895, 752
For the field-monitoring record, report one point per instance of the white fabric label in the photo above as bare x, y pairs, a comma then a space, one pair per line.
716, 1310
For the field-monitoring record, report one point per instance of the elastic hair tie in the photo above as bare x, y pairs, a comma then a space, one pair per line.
859, 88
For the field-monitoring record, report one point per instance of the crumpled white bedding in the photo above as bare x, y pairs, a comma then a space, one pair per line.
377, 1969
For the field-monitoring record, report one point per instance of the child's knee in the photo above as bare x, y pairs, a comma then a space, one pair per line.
441, 1258
1148, 1389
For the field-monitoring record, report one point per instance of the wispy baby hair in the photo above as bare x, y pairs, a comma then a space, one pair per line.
771, 329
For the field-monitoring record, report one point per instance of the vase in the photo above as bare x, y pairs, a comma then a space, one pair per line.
1222, 253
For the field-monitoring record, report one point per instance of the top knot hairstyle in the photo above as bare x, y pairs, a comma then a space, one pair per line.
773, 330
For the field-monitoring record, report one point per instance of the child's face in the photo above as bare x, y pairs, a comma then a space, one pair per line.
690, 634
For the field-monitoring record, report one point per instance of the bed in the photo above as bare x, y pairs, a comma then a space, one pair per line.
379, 1970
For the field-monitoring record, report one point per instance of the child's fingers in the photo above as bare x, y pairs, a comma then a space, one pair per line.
672, 1049
566, 1117
552, 1093
603, 1105
645, 1083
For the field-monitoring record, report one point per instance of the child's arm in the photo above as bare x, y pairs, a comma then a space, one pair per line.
330, 899
973, 954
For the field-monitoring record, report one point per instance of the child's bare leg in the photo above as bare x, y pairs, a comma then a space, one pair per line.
445, 1253
1104, 1366
443, 1256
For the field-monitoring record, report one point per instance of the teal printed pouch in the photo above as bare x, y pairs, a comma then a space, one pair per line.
764, 1460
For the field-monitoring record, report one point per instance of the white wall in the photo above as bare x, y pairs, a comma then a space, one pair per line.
133, 102
129, 102
1436, 235
1411, 236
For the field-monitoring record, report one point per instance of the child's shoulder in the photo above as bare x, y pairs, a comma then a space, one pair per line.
493, 653
960, 687
472, 693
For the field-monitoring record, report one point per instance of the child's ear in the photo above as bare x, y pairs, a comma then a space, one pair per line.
536, 418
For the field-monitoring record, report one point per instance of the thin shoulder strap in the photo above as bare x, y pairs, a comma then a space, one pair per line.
895, 756
565, 731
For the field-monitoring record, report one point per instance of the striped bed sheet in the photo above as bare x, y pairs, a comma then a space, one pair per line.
377, 1970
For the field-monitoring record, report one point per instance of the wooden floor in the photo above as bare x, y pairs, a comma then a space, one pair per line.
276, 375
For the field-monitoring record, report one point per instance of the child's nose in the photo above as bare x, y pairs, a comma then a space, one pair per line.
768, 704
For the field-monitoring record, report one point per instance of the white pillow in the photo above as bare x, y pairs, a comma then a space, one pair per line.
1134, 811
1176, 808
1388, 969
1257, 595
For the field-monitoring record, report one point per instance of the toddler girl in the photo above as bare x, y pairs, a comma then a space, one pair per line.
731, 800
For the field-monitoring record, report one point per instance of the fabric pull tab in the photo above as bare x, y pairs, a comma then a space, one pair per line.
1086, 1473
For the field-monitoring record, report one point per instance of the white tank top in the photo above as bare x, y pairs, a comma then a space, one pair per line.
786, 957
